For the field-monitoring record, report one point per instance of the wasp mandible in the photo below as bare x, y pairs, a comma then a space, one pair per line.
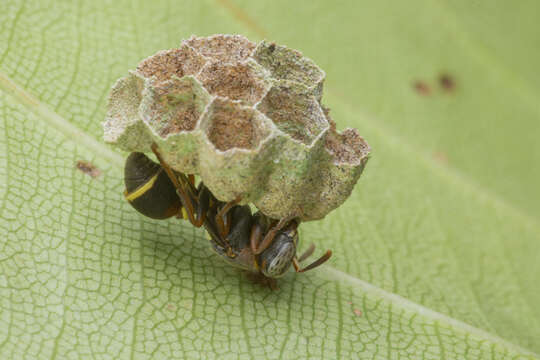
253, 242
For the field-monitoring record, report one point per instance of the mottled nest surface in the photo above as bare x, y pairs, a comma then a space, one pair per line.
246, 117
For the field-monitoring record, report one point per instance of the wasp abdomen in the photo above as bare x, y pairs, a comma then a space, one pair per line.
148, 188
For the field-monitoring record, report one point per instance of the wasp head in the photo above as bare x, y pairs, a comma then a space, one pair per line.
277, 258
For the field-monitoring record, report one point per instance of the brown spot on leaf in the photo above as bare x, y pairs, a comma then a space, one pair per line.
422, 88
88, 168
447, 82
440, 157
357, 312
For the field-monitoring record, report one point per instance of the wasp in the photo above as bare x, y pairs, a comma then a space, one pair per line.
250, 241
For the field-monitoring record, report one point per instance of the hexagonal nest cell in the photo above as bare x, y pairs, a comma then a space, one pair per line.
240, 81
294, 112
348, 147
229, 126
225, 48
166, 63
288, 64
175, 106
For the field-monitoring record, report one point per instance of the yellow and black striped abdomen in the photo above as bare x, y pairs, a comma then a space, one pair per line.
148, 188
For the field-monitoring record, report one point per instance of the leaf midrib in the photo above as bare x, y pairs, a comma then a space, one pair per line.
332, 274
44, 113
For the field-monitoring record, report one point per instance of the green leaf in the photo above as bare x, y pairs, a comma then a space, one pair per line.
435, 256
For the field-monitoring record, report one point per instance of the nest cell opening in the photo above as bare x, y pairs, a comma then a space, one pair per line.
230, 125
288, 64
348, 147
234, 81
224, 48
176, 106
163, 65
295, 113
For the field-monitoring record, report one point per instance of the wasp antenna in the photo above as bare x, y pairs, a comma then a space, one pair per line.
317, 262
307, 253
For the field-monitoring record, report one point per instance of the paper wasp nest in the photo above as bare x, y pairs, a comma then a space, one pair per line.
247, 118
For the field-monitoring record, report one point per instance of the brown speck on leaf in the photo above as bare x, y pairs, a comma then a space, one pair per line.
88, 168
171, 307
440, 157
422, 88
357, 312
447, 82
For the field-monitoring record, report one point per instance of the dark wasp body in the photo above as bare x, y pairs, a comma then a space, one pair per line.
253, 242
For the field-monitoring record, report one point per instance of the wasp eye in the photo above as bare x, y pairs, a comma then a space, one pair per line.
277, 259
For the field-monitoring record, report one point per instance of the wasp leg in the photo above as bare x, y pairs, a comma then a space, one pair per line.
272, 233
223, 217
184, 189
200, 199
314, 264
255, 237
223, 223
203, 200
206, 203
